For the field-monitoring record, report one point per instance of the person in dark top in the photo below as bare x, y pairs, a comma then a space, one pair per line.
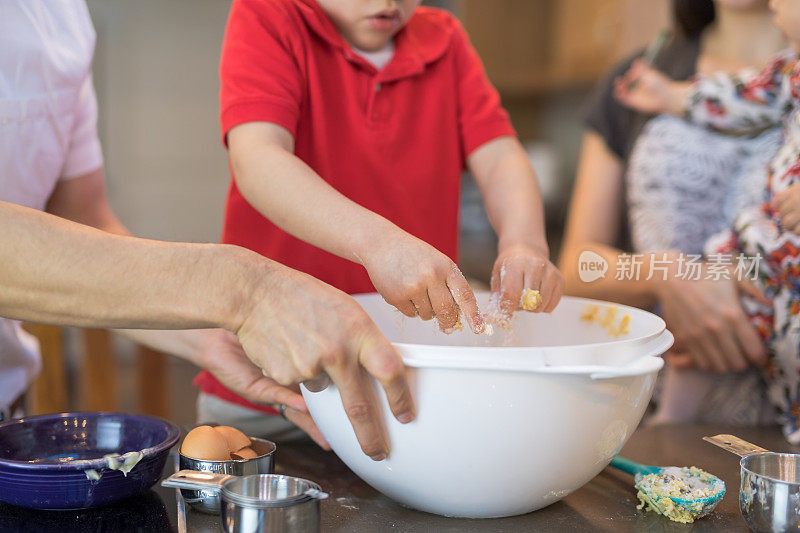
659, 186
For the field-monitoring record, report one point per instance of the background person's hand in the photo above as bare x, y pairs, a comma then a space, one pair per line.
645, 89
518, 268
296, 327
419, 280
679, 359
223, 356
678, 356
787, 204
709, 325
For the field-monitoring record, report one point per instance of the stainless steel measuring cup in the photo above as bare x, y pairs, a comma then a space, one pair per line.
769, 492
258, 503
208, 501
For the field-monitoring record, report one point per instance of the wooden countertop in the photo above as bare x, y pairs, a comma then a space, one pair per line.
607, 503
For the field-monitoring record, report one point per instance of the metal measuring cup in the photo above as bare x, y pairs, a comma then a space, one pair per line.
258, 503
769, 492
208, 501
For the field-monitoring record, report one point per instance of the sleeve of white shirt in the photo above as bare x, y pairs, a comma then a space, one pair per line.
84, 154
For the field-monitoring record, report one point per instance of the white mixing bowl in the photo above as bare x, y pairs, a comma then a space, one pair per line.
506, 424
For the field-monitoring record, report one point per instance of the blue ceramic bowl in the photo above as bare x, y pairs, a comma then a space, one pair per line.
44, 459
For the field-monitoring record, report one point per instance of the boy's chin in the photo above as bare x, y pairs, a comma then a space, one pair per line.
371, 43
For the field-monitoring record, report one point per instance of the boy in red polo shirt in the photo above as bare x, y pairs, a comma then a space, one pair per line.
348, 124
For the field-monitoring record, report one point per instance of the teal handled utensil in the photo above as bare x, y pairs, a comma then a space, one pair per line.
651, 53
655, 47
679, 493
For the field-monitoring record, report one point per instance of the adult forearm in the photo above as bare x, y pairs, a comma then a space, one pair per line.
185, 343
56, 271
625, 283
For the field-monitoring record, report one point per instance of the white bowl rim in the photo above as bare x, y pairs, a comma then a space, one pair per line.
519, 358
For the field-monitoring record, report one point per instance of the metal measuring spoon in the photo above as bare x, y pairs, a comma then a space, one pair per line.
682, 494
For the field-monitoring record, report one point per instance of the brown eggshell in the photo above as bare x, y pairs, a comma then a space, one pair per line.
236, 439
246, 453
205, 444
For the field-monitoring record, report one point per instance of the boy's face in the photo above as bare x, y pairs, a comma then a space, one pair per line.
787, 18
369, 24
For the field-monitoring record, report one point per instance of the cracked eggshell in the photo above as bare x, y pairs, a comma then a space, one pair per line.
205, 444
236, 439
246, 453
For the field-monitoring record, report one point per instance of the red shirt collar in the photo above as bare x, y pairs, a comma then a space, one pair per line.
423, 40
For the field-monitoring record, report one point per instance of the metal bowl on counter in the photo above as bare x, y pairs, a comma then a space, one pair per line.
81, 460
209, 501
769, 496
769, 490
267, 503
509, 423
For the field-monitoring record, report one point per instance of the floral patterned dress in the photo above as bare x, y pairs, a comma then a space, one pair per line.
741, 105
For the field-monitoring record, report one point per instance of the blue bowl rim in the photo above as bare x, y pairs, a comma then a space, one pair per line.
173, 434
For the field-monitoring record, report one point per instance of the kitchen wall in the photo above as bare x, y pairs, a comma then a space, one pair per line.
156, 80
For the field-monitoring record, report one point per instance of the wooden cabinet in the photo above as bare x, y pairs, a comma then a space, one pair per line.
531, 46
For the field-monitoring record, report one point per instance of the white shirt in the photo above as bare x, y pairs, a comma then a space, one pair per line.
48, 130
378, 58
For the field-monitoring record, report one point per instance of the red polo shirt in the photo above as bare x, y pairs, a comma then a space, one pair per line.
393, 140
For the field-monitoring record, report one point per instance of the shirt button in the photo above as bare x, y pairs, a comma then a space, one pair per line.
378, 87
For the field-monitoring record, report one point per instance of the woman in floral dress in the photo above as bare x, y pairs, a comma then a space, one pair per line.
745, 104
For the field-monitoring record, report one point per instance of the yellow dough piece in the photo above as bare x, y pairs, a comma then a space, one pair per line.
623, 328
590, 313
608, 319
531, 299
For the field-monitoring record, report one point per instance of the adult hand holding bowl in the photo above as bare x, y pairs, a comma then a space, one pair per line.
304, 328
510, 423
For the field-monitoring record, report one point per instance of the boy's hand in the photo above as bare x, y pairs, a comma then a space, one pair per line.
647, 90
787, 204
419, 280
522, 267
